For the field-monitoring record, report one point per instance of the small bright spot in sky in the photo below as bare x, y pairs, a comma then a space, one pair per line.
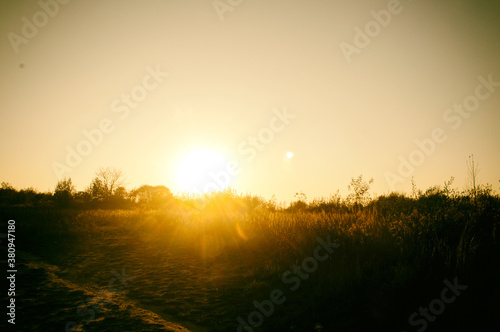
252, 105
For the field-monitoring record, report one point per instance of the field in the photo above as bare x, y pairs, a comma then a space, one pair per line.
231, 263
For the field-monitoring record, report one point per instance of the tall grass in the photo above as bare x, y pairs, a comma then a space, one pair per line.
393, 253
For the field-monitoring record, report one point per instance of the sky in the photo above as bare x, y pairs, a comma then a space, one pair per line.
267, 97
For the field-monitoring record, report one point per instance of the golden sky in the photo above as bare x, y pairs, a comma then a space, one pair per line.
166, 89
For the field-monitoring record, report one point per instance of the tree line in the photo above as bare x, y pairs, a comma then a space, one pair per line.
105, 190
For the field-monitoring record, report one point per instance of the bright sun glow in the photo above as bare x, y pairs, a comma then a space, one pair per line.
289, 155
199, 172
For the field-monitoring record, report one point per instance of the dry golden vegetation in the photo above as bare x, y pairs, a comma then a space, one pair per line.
201, 262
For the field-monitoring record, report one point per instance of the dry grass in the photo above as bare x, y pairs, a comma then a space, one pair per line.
203, 263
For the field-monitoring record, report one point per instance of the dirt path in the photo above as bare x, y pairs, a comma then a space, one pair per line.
48, 302
125, 283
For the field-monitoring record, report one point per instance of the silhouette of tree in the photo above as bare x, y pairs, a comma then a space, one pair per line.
105, 183
8, 194
64, 192
120, 193
82, 197
7, 186
96, 190
27, 196
359, 190
151, 196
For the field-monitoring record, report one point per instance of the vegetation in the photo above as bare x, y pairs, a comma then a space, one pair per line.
227, 250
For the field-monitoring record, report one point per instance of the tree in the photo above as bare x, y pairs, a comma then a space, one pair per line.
7, 186
7, 194
96, 190
82, 197
105, 184
120, 193
64, 192
359, 190
111, 179
151, 196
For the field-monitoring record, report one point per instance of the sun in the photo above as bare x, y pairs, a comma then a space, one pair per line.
198, 172
289, 155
